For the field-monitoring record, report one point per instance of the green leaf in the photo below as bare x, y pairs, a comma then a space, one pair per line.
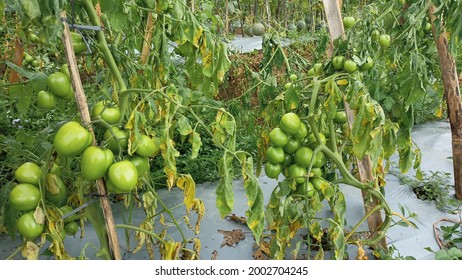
255, 214
195, 140
225, 191
30, 8
291, 99
183, 126
116, 14
24, 94
38, 82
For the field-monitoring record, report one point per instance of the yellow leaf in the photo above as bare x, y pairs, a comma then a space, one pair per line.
170, 250
30, 250
342, 82
187, 184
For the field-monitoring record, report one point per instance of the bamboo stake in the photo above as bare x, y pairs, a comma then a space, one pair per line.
86, 120
147, 38
452, 96
366, 174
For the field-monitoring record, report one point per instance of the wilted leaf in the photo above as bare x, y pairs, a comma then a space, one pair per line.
231, 237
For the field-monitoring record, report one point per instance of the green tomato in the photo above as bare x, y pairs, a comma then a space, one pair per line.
290, 123
302, 132
95, 162
316, 171
292, 146
65, 70
320, 183
384, 41
111, 115
273, 170
293, 77
340, 117
28, 227
28, 172
288, 160
311, 140
78, 43
306, 188
34, 38
24, 197
348, 22
287, 86
35, 63
72, 139
275, 155
375, 35
71, 228
338, 62
141, 163
59, 84
350, 66
116, 142
46, 99
29, 58
278, 137
55, 190
149, 147
367, 65
320, 160
65, 210
303, 156
298, 173
123, 175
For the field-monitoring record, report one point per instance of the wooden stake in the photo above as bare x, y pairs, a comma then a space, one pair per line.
366, 174
452, 96
147, 38
17, 59
86, 120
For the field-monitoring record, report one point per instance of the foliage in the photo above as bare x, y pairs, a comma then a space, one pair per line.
434, 187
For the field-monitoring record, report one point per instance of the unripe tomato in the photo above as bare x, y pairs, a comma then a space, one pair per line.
78, 43
320, 183
123, 175
65, 70
141, 163
59, 84
311, 140
66, 209
116, 142
291, 146
95, 162
290, 123
384, 41
278, 137
306, 188
34, 38
109, 114
28, 172
55, 190
348, 22
72, 139
350, 66
71, 228
368, 64
24, 197
302, 132
28, 227
375, 35
275, 155
293, 77
29, 58
287, 86
320, 160
338, 61
35, 63
340, 117
46, 99
298, 173
149, 147
288, 160
273, 170
303, 156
